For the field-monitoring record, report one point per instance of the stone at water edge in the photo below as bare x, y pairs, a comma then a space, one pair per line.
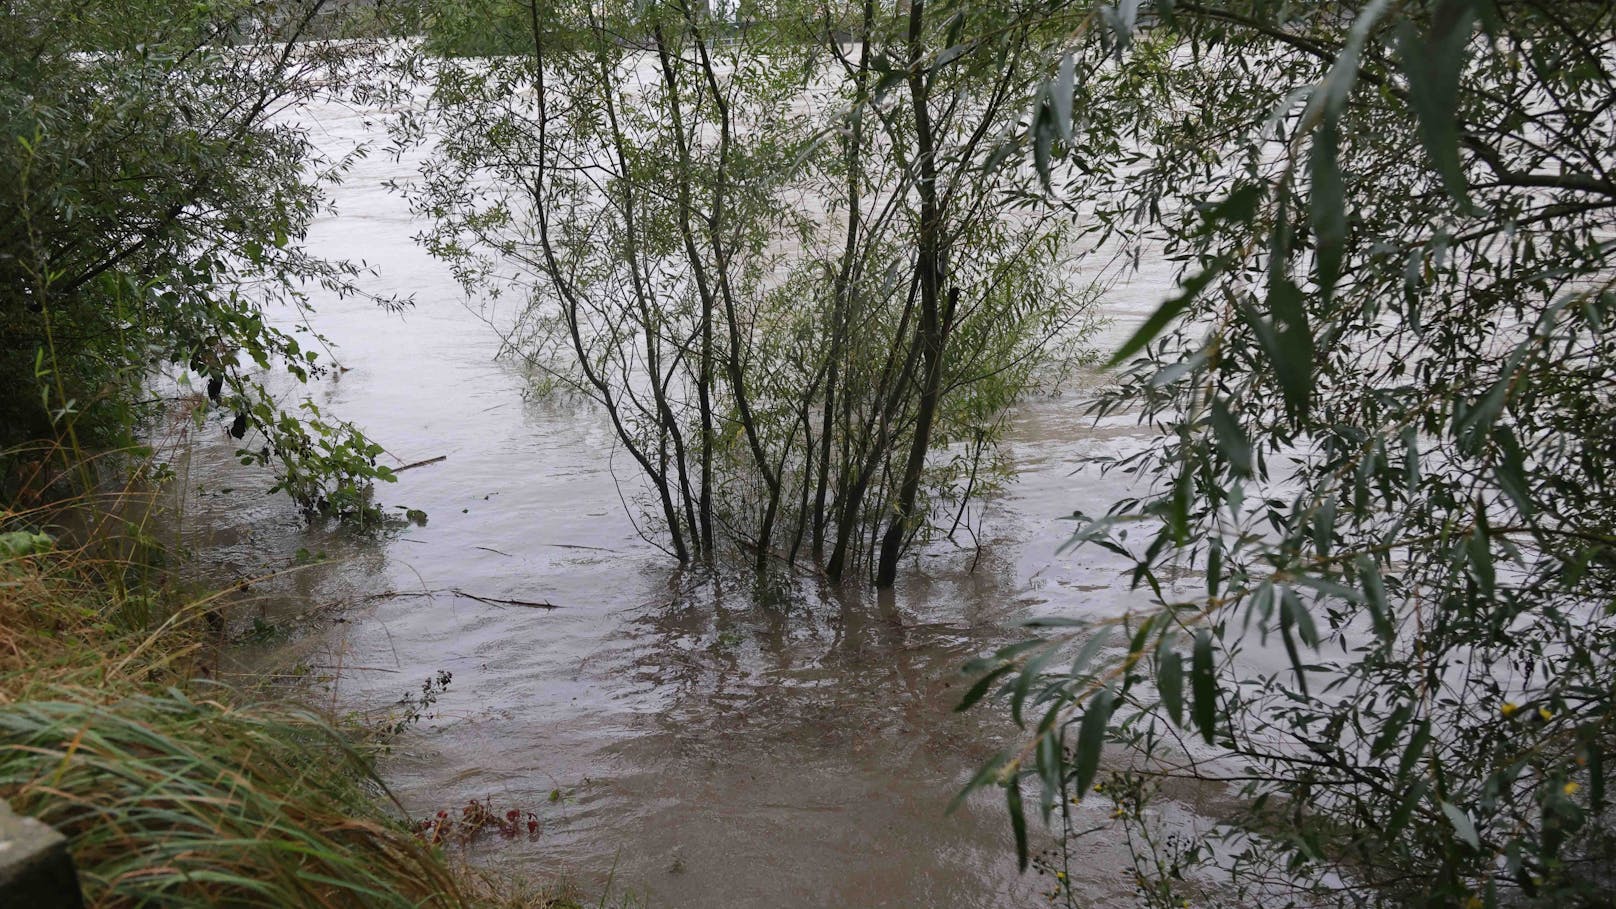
36, 870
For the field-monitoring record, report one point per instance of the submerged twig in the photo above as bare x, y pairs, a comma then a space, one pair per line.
503, 601
420, 463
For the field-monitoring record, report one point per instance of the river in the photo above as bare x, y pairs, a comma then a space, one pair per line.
681, 742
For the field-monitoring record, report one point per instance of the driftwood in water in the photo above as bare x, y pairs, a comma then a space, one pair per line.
451, 591
420, 464
502, 601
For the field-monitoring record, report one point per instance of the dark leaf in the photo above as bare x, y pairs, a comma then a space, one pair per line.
1203, 684
1091, 739
1165, 314
1170, 682
1018, 820
1433, 65
1231, 439
1327, 205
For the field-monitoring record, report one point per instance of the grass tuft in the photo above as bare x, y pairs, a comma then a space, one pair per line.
178, 791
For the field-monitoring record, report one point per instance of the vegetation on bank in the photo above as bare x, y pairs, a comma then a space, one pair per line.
155, 202
176, 790
153, 205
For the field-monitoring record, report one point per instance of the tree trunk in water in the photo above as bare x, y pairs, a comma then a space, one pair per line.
932, 331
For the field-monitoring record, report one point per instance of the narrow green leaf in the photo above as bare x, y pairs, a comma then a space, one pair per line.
1290, 345
1043, 139
1433, 66
1170, 683
1231, 439
1239, 207
1165, 314
1204, 686
1018, 820
1136, 644
1305, 628
985, 774
1056, 622
1029, 675
1091, 738
1476, 423
1374, 589
1327, 204
1462, 824
1329, 588
1288, 605
1343, 75
1090, 649
1393, 728
1061, 96
980, 689
1511, 471
1051, 766
1405, 810
1481, 554
1416, 748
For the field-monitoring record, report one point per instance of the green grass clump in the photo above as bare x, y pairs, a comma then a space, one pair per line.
176, 791
180, 800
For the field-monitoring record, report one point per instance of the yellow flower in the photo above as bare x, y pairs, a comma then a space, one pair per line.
1570, 788
1545, 714
1508, 710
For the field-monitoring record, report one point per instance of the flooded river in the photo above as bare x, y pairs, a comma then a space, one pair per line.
678, 739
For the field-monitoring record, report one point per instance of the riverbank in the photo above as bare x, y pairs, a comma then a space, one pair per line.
172, 787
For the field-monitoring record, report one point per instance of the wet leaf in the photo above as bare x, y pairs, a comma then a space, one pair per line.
1289, 344
1203, 684
1091, 738
1327, 205
1170, 683
980, 689
1018, 820
1374, 590
1433, 66
1165, 314
1090, 649
1231, 439
1462, 824
985, 774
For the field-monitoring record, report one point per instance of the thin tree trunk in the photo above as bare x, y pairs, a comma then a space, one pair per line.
931, 330
845, 278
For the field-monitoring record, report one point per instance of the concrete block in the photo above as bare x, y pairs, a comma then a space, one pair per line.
36, 870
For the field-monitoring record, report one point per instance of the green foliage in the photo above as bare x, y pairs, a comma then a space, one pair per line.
724, 237
1376, 530
477, 28
154, 203
15, 544
189, 801
175, 791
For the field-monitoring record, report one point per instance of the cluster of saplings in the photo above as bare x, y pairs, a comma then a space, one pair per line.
767, 245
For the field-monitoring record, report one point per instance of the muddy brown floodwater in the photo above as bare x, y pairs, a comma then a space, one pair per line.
707, 750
